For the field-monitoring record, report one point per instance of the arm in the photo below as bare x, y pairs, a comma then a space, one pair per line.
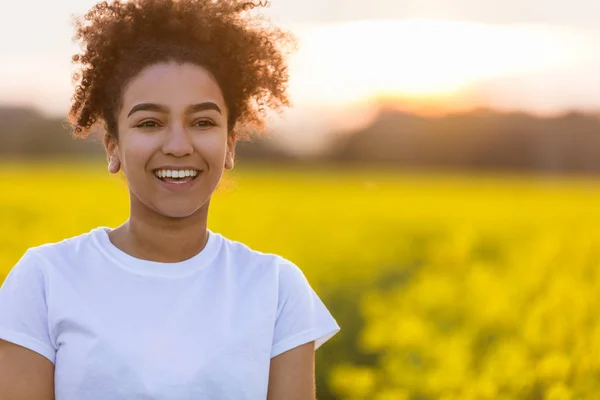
24, 374
292, 374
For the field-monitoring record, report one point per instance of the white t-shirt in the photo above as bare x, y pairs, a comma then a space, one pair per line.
117, 327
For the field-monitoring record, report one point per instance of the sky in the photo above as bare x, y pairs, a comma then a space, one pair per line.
422, 55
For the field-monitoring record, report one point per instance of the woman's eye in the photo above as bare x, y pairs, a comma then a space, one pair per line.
148, 124
204, 123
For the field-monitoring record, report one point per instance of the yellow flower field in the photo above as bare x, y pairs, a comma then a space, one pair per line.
446, 286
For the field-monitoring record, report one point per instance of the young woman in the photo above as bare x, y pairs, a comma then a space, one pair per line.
161, 307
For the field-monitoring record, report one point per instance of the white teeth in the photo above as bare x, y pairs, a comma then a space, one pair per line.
172, 173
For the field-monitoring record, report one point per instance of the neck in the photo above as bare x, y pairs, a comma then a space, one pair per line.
150, 236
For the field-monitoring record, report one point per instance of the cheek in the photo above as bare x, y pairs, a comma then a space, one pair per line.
135, 152
212, 147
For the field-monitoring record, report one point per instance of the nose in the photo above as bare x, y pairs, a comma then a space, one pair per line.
178, 142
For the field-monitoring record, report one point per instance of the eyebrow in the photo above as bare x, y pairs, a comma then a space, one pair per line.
209, 105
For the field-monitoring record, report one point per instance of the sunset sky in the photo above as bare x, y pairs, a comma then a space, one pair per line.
424, 55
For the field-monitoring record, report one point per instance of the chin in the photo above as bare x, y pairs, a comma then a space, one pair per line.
176, 214
174, 210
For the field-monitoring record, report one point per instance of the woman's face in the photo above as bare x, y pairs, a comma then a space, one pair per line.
172, 142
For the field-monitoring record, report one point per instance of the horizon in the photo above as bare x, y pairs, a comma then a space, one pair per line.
380, 105
428, 58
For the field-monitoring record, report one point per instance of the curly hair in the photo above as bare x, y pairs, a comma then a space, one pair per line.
244, 53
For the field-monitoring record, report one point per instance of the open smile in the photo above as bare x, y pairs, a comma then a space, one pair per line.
176, 176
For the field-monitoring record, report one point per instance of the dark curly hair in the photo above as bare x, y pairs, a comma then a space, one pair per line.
244, 54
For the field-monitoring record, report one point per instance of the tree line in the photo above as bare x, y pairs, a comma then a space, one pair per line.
475, 140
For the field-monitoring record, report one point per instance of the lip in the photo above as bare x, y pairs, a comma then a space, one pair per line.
176, 167
177, 187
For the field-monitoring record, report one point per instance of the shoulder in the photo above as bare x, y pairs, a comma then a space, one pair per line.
35, 266
68, 245
249, 256
48, 254
245, 257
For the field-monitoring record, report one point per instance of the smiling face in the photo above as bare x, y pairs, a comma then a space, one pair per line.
173, 141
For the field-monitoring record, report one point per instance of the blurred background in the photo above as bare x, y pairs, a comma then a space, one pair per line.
437, 180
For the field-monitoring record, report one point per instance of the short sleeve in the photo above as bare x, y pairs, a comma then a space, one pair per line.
301, 315
23, 309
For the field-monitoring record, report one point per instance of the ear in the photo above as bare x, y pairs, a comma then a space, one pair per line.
230, 155
112, 153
